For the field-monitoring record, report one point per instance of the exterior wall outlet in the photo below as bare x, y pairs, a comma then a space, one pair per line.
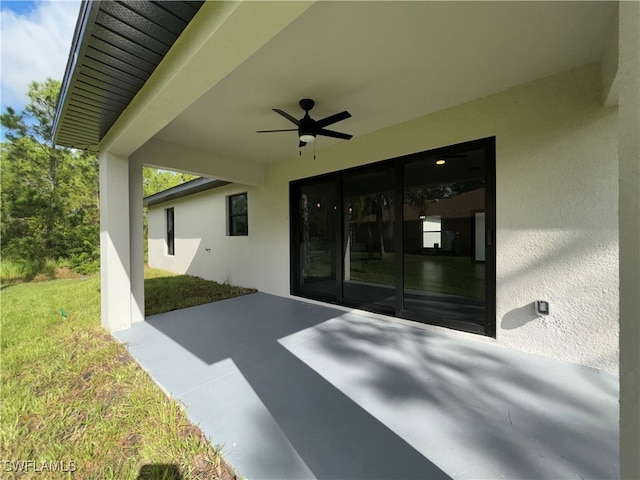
542, 307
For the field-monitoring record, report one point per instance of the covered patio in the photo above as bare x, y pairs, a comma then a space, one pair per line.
295, 390
298, 390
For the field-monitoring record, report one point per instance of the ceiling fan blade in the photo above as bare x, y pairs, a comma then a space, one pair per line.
301, 144
282, 130
333, 119
331, 133
287, 116
458, 155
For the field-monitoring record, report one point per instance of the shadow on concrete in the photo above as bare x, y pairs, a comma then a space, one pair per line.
528, 416
334, 436
361, 398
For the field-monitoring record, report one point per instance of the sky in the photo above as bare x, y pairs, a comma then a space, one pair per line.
35, 40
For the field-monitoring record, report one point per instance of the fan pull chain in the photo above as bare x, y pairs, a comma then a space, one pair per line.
314, 150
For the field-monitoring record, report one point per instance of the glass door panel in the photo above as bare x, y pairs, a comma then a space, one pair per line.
444, 240
318, 221
369, 249
437, 266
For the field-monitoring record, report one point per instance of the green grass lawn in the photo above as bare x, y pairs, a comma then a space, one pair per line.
164, 291
72, 395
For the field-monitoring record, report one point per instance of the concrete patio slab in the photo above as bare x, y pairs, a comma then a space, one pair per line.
295, 390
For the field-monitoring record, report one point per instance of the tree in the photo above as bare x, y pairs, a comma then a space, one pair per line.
49, 194
365, 208
154, 180
421, 197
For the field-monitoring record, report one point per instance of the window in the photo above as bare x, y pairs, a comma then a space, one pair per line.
431, 231
170, 231
238, 215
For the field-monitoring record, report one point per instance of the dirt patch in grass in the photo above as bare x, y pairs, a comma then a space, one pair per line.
130, 444
59, 273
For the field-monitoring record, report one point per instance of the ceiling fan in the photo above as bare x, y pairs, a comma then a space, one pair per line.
308, 128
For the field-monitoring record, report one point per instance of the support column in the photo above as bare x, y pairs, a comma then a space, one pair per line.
629, 224
136, 240
115, 251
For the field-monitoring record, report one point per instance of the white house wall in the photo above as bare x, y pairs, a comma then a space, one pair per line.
202, 247
557, 191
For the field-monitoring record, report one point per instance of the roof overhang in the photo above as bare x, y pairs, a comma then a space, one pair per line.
191, 187
116, 47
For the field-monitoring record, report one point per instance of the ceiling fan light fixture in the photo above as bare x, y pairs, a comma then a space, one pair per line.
308, 128
441, 161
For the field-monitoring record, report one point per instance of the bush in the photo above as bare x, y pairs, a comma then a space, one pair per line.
49, 268
22, 270
14, 271
83, 250
26, 249
84, 263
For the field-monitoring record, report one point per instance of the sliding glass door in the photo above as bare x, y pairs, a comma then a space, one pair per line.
317, 218
444, 234
369, 277
410, 237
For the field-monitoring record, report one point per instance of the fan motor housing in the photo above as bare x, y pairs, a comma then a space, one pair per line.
306, 104
307, 126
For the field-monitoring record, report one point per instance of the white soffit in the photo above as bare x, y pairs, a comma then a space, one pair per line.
388, 62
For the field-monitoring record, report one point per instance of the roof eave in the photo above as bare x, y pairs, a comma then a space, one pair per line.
116, 48
183, 190
86, 18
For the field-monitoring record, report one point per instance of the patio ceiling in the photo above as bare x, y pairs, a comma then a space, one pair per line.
387, 63
384, 62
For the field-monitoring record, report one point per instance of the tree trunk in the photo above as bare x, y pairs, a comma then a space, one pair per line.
53, 201
305, 236
380, 225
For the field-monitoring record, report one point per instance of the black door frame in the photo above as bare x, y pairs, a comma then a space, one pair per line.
489, 147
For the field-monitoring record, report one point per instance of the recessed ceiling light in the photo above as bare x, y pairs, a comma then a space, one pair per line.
441, 161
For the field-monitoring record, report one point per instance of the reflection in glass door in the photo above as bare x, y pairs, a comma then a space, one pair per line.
410, 237
368, 242
318, 214
444, 239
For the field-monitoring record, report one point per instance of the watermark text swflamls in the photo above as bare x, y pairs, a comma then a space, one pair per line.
20, 466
